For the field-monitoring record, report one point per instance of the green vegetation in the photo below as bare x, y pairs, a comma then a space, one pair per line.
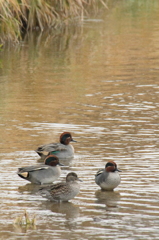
20, 16
24, 220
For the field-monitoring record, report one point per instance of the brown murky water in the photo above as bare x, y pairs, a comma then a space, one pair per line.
99, 81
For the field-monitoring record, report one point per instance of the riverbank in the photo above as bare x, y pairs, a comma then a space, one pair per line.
19, 17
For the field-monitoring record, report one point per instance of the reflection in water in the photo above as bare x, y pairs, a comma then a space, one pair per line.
109, 198
68, 209
23, 229
29, 188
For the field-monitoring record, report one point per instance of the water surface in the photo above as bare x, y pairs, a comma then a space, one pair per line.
99, 81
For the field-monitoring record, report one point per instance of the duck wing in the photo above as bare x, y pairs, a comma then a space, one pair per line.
51, 147
53, 191
32, 168
100, 171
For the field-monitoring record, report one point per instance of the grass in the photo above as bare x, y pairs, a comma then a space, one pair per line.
24, 221
20, 16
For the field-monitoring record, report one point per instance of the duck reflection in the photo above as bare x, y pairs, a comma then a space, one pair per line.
109, 198
67, 210
30, 188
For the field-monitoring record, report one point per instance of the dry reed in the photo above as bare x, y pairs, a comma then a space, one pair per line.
19, 16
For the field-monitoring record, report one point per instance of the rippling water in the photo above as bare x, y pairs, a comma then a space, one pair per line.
99, 82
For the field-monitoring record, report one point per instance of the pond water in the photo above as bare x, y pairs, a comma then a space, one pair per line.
100, 81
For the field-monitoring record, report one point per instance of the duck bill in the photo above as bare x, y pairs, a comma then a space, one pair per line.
61, 164
72, 140
79, 180
118, 170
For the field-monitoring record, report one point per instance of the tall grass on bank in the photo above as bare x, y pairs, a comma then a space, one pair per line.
20, 16
10, 20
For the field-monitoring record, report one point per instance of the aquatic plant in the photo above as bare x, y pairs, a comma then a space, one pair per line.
24, 221
19, 16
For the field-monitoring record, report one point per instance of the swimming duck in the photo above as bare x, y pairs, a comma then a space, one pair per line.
62, 150
108, 178
62, 191
44, 173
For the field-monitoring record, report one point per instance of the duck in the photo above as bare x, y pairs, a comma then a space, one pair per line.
44, 173
63, 149
63, 191
108, 178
